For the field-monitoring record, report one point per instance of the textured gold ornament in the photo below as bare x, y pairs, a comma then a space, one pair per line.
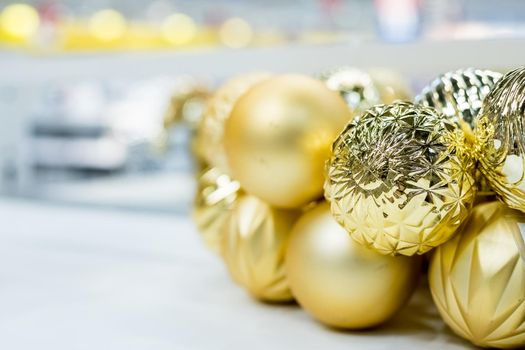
278, 138
400, 179
459, 94
210, 137
500, 136
362, 90
340, 282
214, 199
254, 242
477, 279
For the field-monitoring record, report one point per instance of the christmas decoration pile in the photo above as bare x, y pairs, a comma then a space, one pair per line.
400, 179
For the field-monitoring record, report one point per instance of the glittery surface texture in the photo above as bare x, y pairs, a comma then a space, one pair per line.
400, 179
500, 136
459, 94
477, 279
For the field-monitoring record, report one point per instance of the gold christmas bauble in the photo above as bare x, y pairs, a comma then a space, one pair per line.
459, 94
500, 137
362, 90
340, 282
477, 279
278, 138
214, 199
254, 239
210, 134
391, 85
400, 179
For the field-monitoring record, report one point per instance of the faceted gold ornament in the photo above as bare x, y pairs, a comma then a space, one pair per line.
210, 137
400, 179
500, 136
459, 94
477, 279
214, 199
254, 242
362, 90
278, 138
340, 282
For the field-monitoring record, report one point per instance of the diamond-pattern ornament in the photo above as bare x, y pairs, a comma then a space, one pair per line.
400, 179
477, 279
459, 94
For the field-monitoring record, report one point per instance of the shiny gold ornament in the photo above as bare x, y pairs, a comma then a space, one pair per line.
340, 282
278, 138
362, 90
459, 94
254, 242
500, 137
400, 179
477, 279
214, 199
355, 86
391, 85
210, 139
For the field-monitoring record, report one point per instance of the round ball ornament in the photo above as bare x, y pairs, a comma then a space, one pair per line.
362, 90
355, 86
214, 199
500, 137
477, 279
340, 282
278, 138
254, 240
459, 95
401, 179
210, 135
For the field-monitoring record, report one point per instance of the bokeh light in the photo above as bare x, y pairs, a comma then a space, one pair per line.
19, 21
179, 29
236, 33
107, 25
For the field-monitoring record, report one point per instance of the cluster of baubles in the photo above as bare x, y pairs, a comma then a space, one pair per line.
399, 179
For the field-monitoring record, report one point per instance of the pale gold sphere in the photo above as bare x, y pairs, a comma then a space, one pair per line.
254, 240
278, 138
340, 282
210, 133
477, 279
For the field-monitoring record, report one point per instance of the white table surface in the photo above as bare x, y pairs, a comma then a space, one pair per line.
75, 278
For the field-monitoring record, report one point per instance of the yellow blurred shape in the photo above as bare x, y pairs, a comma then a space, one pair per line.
107, 25
179, 29
236, 33
19, 22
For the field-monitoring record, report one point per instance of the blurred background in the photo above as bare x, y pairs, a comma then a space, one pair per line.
99, 99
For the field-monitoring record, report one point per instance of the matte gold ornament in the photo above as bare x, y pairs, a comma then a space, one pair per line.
340, 282
500, 136
362, 90
210, 140
400, 179
254, 242
459, 94
214, 199
278, 138
477, 279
